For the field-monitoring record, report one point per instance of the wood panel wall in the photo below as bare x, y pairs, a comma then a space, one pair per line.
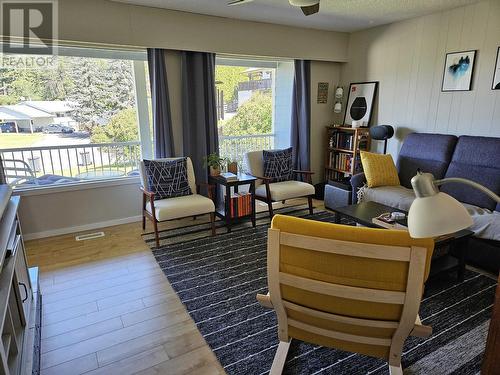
408, 59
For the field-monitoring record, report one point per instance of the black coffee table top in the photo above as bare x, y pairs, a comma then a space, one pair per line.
364, 212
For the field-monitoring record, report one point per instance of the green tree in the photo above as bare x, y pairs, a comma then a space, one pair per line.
122, 127
255, 116
229, 77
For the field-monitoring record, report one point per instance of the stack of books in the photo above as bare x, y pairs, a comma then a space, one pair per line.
240, 204
228, 176
385, 221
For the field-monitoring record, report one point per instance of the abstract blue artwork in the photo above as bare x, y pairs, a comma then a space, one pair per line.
458, 70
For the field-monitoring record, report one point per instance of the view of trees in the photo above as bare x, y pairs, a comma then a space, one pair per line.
255, 116
227, 78
122, 127
101, 88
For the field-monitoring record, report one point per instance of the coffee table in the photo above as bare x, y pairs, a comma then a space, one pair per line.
363, 213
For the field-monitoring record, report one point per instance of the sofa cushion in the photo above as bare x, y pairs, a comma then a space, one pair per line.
286, 190
188, 205
476, 159
167, 178
429, 152
393, 196
278, 164
379, 169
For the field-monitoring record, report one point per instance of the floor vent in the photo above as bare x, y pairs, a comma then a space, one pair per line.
89, 236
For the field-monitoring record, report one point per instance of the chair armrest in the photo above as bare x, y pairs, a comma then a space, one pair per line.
148, 193
265, 300
357, 182
266, 180
303, 172
307, 175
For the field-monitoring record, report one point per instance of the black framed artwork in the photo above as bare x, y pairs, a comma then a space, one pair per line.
496, 73
458, 71
360, 102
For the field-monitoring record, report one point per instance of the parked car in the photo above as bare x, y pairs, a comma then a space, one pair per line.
57, 128
7, 127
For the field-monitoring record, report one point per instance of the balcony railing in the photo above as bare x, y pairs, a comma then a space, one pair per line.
259, 84
48, 165
234, 147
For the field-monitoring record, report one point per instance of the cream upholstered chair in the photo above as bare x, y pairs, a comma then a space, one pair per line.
179, 207
270, 192
351, 288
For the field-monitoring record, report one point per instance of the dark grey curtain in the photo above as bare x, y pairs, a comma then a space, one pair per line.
3, 180
199, 112
301, 116
162, 120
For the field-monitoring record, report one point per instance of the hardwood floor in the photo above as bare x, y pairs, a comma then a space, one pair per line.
108, 308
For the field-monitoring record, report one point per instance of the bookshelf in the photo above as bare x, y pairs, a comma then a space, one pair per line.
343, 145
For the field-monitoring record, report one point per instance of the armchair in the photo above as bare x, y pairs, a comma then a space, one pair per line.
159, 210
270, 192
351, 288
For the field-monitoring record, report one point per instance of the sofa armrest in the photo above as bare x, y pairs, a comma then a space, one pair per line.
357, 181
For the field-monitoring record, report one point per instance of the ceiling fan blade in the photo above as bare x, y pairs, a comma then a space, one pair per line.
238, 2
312, 9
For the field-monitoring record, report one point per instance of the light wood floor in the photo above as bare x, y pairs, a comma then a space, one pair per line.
108, 308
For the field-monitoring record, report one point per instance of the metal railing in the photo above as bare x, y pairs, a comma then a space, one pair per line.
46, 165
234, 147
259, 84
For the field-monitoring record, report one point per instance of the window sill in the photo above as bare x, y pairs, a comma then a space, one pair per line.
77, 186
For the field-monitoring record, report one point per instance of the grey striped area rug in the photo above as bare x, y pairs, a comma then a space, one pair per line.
217, 279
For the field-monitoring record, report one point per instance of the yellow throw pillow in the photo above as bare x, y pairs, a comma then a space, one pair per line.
379, 169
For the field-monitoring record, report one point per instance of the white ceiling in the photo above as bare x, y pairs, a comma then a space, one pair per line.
336, 15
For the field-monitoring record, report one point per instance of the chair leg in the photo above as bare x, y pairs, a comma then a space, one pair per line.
395, 370
212, 221
143, 222
310, 202
157, 236
270, 205
280, 358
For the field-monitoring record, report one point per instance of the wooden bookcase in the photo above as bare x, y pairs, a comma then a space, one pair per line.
343, 145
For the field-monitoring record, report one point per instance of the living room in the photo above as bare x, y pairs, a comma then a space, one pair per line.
360, 138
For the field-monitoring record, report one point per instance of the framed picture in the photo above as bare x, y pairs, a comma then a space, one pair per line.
496, 73
458, 70
360, 103
322, 93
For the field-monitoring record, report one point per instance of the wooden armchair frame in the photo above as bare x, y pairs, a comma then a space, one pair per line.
267, 181
149, 197
408, 324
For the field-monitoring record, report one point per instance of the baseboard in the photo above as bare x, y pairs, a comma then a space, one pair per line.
81, 228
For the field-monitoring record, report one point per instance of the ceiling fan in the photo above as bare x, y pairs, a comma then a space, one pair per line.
308, 6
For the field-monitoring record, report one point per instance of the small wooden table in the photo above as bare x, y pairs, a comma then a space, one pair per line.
222, 207
364, 212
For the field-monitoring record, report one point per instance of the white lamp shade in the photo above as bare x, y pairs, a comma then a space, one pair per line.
437, 215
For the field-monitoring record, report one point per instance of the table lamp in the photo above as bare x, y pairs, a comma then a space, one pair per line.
434, 213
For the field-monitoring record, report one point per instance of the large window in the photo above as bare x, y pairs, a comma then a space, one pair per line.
253, 105
74, 120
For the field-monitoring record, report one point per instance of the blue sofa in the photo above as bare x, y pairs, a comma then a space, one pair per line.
474, 158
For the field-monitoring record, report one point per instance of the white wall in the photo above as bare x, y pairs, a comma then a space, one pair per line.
408, 59
321, 114
103, 21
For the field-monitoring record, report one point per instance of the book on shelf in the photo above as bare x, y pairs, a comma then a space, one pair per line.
385, 221
240, 204
228, 176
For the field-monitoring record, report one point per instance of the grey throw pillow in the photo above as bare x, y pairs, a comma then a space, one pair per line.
167, 178
278, 164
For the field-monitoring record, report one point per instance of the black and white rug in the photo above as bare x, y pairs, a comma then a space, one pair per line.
217, 279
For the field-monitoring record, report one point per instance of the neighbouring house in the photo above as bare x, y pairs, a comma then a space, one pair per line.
25, 118
259, 79
61, 109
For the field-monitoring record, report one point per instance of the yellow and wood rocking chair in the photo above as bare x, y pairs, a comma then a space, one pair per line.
350, 288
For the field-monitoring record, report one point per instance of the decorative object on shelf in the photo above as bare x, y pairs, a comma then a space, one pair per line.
322, 93
496, 73
434, 213
339, 96
215, 162
458, 70
382, 133
360, 103
342, 151
232, 166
